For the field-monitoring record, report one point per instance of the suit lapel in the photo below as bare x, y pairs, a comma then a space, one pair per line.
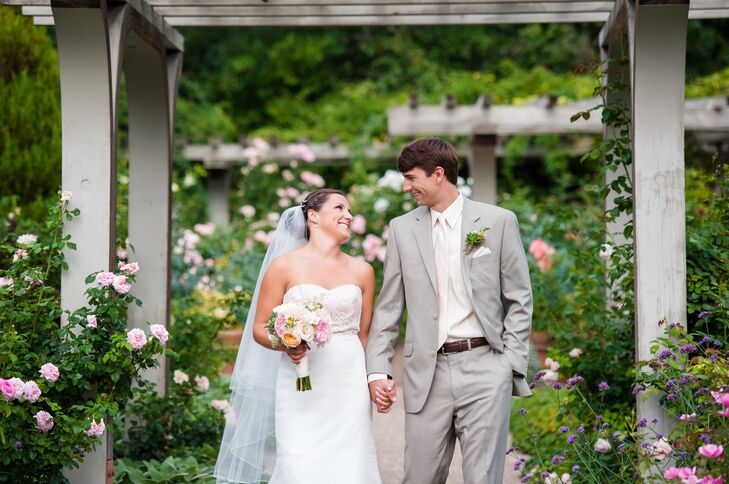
469, 222
424, 239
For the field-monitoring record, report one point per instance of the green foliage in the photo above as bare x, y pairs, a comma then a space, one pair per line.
30, 113
176, 424
171, 470
92, 355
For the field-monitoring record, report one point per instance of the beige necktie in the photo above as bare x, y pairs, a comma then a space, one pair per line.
440, 252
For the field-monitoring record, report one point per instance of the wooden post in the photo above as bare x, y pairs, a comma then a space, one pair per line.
659, 200
88, 168
218, 193
150, 179
482, 167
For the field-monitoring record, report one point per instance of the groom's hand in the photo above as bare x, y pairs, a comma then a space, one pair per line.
383, 394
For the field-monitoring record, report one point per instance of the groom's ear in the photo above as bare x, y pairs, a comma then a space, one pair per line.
439, 173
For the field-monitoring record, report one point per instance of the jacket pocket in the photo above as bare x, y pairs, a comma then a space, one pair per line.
407, 349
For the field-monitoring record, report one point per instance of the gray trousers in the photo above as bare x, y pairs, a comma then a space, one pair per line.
470, 399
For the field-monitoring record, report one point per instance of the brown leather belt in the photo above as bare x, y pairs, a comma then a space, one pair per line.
462, 345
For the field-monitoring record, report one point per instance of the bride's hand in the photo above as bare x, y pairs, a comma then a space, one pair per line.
296, 354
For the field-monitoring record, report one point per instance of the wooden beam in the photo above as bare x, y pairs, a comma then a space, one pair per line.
705, 114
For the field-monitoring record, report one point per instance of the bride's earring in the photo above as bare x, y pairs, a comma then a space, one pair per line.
316, 225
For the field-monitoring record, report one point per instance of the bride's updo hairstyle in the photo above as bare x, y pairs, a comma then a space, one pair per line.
315, 201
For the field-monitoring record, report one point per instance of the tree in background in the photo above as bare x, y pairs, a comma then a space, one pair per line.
30, 113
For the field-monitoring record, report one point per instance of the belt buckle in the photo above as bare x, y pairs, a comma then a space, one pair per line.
443, 351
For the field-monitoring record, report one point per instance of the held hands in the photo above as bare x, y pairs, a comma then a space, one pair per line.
296, 354
383, 394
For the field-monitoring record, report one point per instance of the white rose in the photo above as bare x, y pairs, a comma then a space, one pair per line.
381, 205
180, 377
575, 352
308, 332
606, 251
661, 449
602, 446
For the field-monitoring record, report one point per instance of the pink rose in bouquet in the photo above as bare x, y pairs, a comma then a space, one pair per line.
292, 324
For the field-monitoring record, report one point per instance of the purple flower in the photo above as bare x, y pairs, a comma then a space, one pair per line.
687, 348
18, 444
523, 411
671, 397
572, 438
538, 375
683, 380
545, 474
574, 381
645, 445
655, 420
670, 383
673, 325
575, 469
564, 429
663, 354
580, 429
705, 340
705, 438
704, 314
603, 386
512, 449
716, 343
557, 459
714, 358
556, 385
638, 388
642, 423
518, 464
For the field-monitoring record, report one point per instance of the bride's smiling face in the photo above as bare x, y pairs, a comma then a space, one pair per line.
334, 218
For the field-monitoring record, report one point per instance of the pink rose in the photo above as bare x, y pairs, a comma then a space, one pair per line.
359, 224
551, 364
542, 252
602, 446
20, 254
136, 338
247, 211
711, 451
222, 405
66, 196
372, 247
202, 383
322, 332
661, 449
312, 178
96, 429
27, 239
687, 417
105, 279
18, 387
302, 152
671, 473
180, 377
121, 284
91, 321
31, 391
6, 282
159, 332
44, 421
131, 268
50, 372
204, 229
7, 389
724, 413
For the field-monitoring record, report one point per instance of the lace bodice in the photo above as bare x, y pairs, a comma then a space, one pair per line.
343, 302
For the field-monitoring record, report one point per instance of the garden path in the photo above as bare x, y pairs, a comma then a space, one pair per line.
390, 440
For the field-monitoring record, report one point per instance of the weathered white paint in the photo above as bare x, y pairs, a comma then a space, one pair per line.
150, 178
659, 198
88, 168
709, 114
482, 164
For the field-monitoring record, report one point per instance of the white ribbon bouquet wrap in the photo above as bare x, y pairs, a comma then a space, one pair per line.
294, 323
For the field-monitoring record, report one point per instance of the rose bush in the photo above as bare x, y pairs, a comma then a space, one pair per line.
62, 383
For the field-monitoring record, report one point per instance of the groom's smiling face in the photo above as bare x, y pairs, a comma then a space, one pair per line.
423, 187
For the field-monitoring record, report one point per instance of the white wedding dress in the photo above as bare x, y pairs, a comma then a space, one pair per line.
324, 436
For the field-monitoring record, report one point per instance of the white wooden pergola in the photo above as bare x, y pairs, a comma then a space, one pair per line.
486, 123
97, 39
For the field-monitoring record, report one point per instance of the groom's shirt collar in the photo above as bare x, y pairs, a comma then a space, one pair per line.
452, 213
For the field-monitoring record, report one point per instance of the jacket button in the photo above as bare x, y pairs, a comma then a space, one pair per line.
432, 353
435, 317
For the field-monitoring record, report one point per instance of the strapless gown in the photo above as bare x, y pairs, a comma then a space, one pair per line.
324, 436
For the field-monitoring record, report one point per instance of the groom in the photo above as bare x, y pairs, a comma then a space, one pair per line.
459, 268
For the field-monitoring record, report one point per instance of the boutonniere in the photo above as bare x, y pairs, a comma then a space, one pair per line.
475, 239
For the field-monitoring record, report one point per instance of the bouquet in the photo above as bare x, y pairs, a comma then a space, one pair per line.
294, 323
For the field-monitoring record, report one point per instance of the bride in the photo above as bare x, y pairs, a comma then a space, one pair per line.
323, 436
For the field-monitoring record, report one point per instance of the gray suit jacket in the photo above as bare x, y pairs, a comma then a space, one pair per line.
498, 285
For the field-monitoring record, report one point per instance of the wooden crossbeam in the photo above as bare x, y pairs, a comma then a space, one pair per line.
707, 114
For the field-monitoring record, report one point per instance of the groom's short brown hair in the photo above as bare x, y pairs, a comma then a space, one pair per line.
428, 154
